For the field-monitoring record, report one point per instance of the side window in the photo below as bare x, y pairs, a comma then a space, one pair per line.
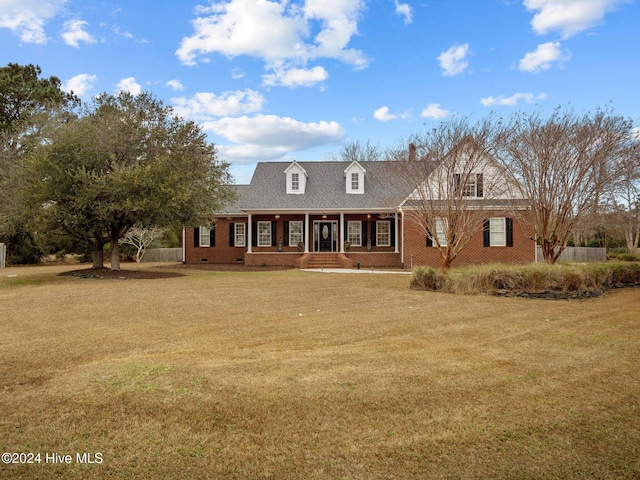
383, 233
240, 234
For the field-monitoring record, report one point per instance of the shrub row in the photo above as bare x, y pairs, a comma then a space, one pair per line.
528, 278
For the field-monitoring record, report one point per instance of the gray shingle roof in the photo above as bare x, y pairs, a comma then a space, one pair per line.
325, 188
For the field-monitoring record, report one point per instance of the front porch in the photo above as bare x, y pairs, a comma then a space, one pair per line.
325, 260
324, 240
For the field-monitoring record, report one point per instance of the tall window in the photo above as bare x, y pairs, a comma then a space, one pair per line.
355, 181
295, 233
497, 232
354, 233
295, 181
264, 234
204, 236
441, 231
383, 233
240, 235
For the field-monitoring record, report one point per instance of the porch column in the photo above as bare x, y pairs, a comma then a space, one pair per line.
306, 233
396, 235
341, 232
249, 236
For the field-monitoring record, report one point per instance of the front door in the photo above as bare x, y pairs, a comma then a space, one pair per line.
326, 235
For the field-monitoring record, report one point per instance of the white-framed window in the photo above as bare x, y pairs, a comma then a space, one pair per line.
240, 235
295, 233
383, 233
354, 233
204, 236
441, 231
497, 232
355, 181
264, 234
295, 181
472, 186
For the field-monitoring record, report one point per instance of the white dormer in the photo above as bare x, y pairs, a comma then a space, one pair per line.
354, 178
296, 178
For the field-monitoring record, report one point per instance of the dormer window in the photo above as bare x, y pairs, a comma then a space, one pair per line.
296, 178
354, 176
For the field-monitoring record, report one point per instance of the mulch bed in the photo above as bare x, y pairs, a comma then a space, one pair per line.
108, 274
167, 272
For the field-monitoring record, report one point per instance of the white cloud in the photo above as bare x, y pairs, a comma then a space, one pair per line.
74, 33
404, 10
454, 61
383, 115
175, 84
295, 77
569, 17
204, 106
80, 84
542, 58
26, 18
512, 100
278, 32
270, 136
129, 85
434, 111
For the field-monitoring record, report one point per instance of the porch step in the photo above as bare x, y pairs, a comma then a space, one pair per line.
324, 260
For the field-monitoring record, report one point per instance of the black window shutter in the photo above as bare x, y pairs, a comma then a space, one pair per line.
286, 234
363, 233
212, 236
429, 239
196, 237
392, 233
457, 180
479, 185
274, 234
232, 234
344, 231
509, 227
254, 234
487, 233
374, 231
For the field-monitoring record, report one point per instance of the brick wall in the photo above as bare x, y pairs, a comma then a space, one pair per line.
222, 253
523, 250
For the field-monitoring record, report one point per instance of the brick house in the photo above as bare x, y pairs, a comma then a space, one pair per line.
336, 214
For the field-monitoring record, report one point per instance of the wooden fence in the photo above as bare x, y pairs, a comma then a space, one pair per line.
3, 254
163, 255
578, 254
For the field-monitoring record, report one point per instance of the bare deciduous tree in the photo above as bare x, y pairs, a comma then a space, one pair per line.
562, 164
357, 152
624, 195
453, 179
141, 237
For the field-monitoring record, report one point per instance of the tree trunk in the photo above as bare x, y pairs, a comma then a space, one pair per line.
115, 251
98, 253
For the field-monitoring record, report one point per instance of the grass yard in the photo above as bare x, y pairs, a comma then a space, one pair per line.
298, 375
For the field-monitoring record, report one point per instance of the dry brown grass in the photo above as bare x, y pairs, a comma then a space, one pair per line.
295, 375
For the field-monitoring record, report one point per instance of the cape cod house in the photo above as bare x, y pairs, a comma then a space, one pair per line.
337, 214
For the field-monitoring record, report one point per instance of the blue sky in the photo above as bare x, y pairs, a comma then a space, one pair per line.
284, 80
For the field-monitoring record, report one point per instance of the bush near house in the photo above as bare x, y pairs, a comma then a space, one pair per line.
498, 278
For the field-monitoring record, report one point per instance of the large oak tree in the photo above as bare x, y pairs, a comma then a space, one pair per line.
126, 160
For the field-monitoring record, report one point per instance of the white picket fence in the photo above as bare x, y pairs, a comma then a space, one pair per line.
577, 254
3, 254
